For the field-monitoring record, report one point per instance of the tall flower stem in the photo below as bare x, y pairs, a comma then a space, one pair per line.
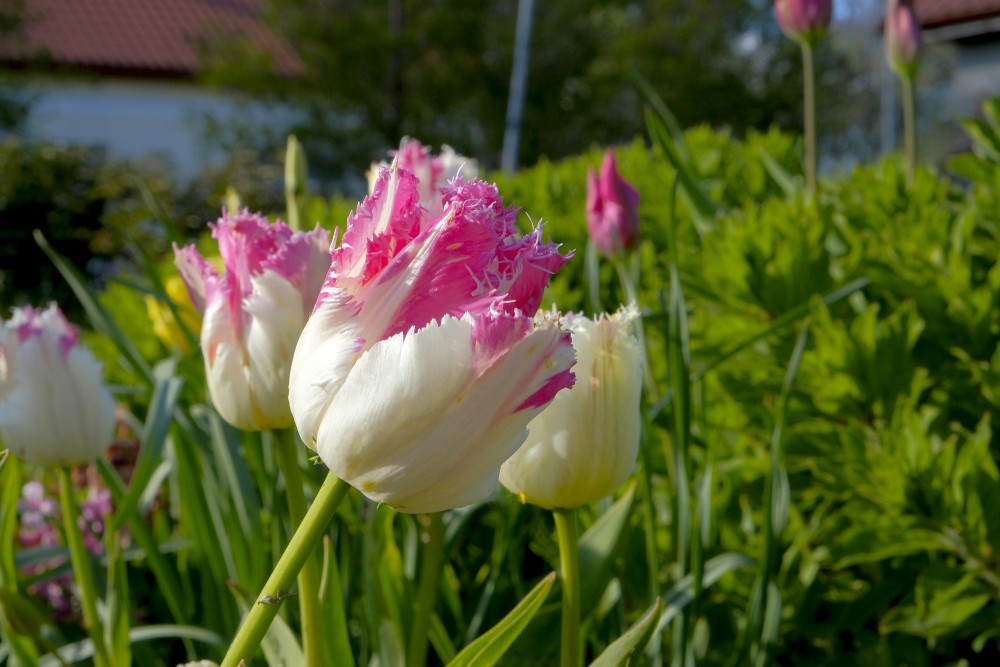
430, 578
909, 127
81, 567
569, 564
288, 461
809, 115
303, 543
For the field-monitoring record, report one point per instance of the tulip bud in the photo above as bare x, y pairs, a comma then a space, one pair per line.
902, 38
254, 312
418, 370
433, 172
584, 445
54, 406
612, 209
803, 20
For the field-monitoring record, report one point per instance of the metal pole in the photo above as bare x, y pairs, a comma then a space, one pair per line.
518, 80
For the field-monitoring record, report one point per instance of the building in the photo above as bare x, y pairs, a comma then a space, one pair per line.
121, 74
972, 28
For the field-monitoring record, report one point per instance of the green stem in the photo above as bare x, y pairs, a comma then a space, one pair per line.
288, 462
430, 578
81, 567
303, 543
569, 564
809, 115
909, 128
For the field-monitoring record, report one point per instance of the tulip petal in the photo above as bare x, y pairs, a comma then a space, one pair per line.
430, 435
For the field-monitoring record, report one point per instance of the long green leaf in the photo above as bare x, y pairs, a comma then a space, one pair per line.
82, 650
597, 548
781, 322
154, 433
678, 597
100, 318
490, 647
689, 180
620, 651
165, 575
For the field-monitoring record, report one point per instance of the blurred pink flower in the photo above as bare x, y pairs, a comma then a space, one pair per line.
253, 312
433, 172
612, 209
421, 365
38, 517
803, 20
902, 37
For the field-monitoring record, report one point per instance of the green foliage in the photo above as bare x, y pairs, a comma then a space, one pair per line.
846, 518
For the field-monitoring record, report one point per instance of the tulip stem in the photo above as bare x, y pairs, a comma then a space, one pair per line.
81, 567
909, 127
809, 115
288, 461
303, 543
430, 577
569, 564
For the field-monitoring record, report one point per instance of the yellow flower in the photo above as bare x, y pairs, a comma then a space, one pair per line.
165, 326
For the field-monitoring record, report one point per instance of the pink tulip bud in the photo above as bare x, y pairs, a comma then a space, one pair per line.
804, 20
612, 209
902, 37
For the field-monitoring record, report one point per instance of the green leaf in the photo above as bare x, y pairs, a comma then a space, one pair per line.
597, 548
100, 318
81, 650
117, 603
154, 433
620, 651
778, 173
689, 180
490, 647
682, 593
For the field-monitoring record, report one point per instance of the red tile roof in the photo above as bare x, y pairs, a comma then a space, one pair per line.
148, 36
936, 13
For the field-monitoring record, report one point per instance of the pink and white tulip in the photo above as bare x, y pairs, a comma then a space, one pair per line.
612, 209
421, 363
433, 172
254, 312
54, 406
584, 445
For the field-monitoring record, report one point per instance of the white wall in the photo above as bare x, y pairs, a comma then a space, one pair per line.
136, 118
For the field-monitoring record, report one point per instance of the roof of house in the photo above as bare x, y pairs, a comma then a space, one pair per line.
938, 13
152, 37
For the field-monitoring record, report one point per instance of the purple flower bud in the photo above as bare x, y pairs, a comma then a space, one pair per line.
803, 20
612, 209
902, 37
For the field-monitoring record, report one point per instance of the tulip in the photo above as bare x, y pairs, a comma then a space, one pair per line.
421, 365
803, 20
253, 313
902, 38
433, 172
54, 406
584, 445
612, 209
